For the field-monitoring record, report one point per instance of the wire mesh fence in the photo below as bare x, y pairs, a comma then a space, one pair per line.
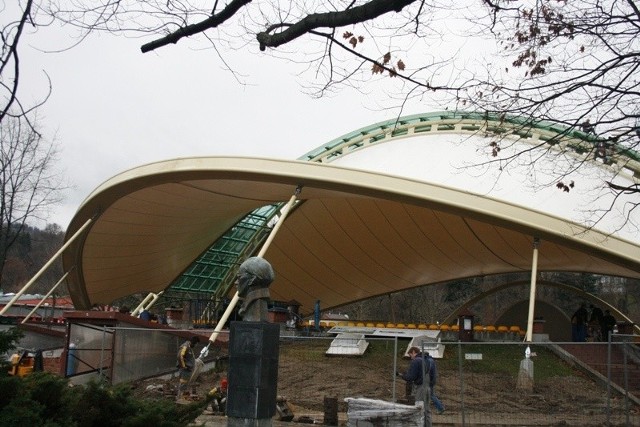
478, 383
573, 384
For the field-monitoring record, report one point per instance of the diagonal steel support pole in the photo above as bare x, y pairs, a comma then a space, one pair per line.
532, 291
64, 276
140, 306
146, 303
284, 211
45, 267
153, 300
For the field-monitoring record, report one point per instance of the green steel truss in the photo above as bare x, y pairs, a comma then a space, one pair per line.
212, 275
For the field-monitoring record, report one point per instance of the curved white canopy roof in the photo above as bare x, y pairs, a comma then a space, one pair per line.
354, 234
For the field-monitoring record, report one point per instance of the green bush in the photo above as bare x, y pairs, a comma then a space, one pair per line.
45, 399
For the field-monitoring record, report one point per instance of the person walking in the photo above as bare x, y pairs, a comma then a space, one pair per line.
433, 376
417, 373
579, 322
186, 363
608, 323
595, 323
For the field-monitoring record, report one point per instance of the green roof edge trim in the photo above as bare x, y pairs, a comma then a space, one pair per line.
439, 116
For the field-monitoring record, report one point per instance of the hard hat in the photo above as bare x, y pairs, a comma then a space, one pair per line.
224, 384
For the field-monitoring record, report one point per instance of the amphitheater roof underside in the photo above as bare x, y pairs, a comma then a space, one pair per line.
353, 233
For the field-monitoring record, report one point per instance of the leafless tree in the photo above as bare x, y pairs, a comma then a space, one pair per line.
558, 57
29, 183
341, 41
572, 64
17, 18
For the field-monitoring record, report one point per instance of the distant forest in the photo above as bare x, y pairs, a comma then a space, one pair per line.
427, 304
32, 250
433, 303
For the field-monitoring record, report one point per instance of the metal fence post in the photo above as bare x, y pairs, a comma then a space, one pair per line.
102, 358
426, 401
460, 371
395, 367
626, 381
609, 378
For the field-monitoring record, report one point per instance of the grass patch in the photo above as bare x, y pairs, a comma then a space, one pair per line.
502, 359
505, 359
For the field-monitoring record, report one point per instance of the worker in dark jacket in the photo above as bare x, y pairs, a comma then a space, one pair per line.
579, 322
418, 376
415, 374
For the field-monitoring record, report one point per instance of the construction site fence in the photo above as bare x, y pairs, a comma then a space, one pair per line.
118, 355
479, 383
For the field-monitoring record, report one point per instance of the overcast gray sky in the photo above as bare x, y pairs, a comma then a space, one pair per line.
114, 108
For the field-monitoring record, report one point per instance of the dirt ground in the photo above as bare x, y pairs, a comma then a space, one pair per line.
305, 384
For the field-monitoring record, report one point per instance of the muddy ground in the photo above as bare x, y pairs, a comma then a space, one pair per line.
306, 378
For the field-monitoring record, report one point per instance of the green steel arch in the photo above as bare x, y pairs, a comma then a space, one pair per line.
212, 275
534, 132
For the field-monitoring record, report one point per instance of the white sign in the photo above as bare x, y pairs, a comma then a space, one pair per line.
473, 356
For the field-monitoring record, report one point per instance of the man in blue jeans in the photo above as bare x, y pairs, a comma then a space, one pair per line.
415, 375
433, 375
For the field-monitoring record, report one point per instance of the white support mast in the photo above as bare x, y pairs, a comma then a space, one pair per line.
64, 276
45, 267
532, 291
284, 211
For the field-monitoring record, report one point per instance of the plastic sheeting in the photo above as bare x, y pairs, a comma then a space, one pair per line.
363, 412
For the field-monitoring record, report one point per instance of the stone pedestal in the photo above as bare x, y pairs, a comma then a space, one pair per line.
253, 373
525, 376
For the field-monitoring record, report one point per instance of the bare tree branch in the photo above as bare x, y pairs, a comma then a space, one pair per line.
213, 21
366, 12
11, 43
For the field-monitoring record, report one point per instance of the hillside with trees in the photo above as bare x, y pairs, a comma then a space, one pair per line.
32, 249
